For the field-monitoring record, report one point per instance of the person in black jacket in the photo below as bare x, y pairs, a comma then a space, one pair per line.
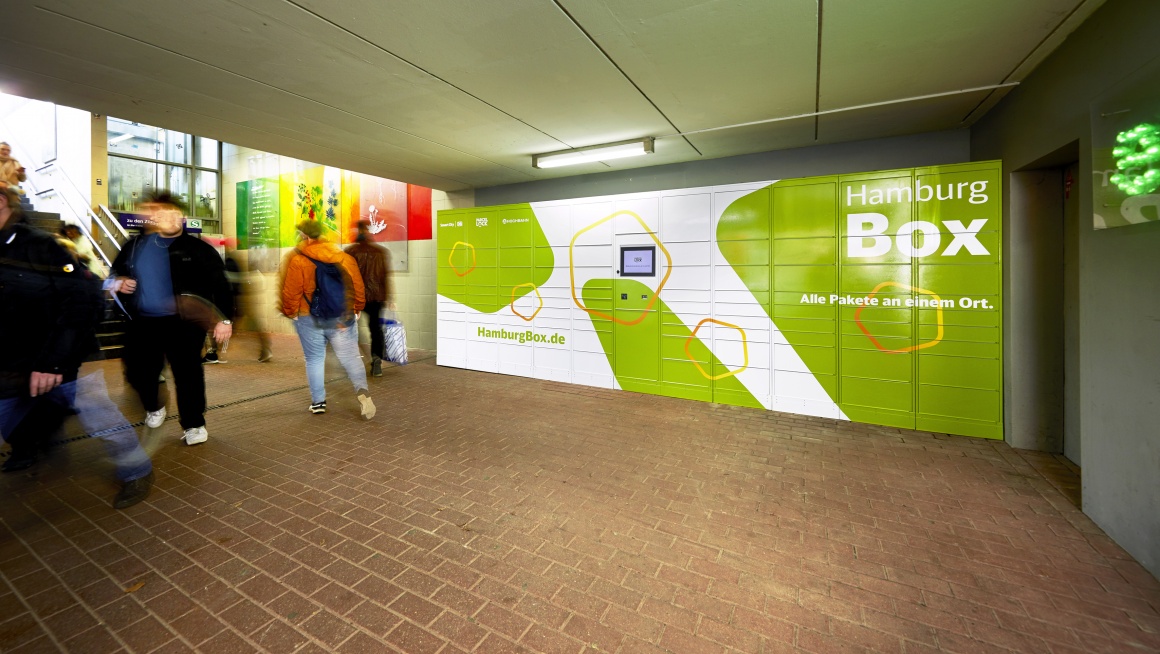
174, 288
49, 310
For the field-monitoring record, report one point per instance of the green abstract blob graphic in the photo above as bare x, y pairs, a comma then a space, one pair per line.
897, 363
490, 257
649, 349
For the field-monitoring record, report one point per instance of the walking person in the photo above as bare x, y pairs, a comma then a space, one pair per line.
322, 292
374, 264
51, 307
11, 172
85, 252
174, 288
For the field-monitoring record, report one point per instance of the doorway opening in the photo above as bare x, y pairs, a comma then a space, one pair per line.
1041, 327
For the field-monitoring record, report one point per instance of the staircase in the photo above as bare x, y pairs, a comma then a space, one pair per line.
111, 332
48, 222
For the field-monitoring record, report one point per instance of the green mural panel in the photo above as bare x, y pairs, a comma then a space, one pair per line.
489, 257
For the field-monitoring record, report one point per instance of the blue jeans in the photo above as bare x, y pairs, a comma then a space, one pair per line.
88, 397
343, 338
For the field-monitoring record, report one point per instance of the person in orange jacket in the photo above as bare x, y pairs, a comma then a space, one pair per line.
325, 310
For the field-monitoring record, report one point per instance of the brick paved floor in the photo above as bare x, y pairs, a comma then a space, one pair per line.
482, 513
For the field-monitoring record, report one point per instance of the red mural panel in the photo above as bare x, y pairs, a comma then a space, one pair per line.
418, 213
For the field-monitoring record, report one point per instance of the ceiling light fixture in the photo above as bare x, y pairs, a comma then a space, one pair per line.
604, 152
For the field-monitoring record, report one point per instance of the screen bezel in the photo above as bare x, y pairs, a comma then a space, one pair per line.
625, 250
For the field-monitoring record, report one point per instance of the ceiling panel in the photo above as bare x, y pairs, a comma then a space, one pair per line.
461, 93
897, 119
263, 43
230, 113
707, 64
890, 49
794, 133
523, 56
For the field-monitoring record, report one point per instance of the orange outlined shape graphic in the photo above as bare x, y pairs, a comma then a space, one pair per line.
744, 349
539, 300
451, 255
921, 346
572, 269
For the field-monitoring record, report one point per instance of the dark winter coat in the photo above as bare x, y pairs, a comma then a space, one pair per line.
374, 264
50, 307
198, 274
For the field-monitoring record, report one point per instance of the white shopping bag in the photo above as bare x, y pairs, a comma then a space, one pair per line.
395, 337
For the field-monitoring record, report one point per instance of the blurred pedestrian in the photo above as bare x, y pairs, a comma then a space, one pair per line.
322, 292
11, 172
174, 287
246, 287
50, 307
84, 249
374, 263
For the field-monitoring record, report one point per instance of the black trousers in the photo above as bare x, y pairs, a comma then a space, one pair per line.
152, 341
34, 433
373, 311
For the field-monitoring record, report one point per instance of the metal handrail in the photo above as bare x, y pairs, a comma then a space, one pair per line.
112, 240
116, 223
96, 244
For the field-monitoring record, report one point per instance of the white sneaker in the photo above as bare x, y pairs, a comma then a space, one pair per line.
195, 436
153, 419
367, 406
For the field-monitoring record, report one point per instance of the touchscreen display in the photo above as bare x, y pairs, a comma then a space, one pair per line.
638, 261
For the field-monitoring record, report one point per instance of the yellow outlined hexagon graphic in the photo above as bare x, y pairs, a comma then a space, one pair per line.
938, 316
655, 294
744, 349
451, 255
539, 300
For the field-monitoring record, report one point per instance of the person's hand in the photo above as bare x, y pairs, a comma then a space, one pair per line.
222, 332
392, 306
125, 285
43, 382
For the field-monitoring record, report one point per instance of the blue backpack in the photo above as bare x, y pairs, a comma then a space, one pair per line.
329, 301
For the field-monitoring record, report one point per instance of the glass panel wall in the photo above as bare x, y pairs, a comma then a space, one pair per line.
143, 158
205, 193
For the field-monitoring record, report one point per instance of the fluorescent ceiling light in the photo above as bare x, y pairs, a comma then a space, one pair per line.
594, 153
117, 139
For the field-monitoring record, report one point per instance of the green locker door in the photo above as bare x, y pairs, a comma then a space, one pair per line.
743, 237
455, 258
515, 262
877, 342
483, 282
805, 264
636, 336
960, 375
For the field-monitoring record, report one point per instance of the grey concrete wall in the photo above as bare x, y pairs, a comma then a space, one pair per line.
928, 149
1071, 227
1119, 271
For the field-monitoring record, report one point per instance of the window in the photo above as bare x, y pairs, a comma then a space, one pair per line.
143, 158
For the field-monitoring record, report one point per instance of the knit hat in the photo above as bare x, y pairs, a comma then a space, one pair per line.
310, 228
